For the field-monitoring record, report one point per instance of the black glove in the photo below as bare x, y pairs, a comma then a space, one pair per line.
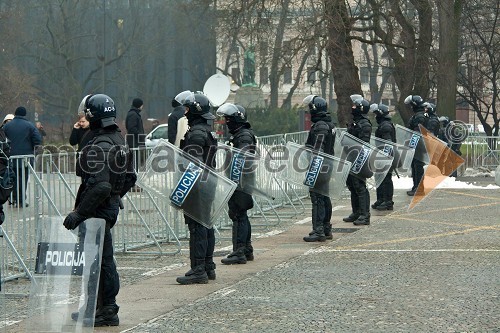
73, 220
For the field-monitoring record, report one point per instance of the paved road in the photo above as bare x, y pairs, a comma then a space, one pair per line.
433, 269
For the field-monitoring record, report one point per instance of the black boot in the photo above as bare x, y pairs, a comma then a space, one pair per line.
362, 220
236, 257
355, 208
107, 315
194, 275
377, 203
386, 205
317, 236
249, 252
351, 218
328, 231
210, 269
364, 209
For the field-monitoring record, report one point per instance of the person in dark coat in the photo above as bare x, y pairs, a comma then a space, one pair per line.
80, 136
4, 164
242, 137
24, 138
432, 123
79, 133
135, 132
321, 138
134, 126
417, 167
361, 128
200, 143
385, 131
107, 174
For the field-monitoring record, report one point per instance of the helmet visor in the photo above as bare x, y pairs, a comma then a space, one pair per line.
308, 100
355, 97
181, 97
374, 107
408, 99
227, 110
82, 108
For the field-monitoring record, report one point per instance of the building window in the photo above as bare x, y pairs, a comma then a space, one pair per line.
311, 75
264, 75
364, 75
287, 75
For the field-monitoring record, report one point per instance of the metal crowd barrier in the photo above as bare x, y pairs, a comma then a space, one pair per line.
147, 224
481, 151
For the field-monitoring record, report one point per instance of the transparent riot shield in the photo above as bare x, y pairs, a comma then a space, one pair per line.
442, 162
413, 140
187, 183
402, 155
65, 283
247, 169
368, 162
319, 172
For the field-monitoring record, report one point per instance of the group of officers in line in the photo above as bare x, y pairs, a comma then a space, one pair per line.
100, 192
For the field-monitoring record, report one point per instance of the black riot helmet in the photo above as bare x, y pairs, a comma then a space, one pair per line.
415, 101
316, 104
380, 110
233, 113
359, 104
444, 120
198, 105
100, 111
430, 108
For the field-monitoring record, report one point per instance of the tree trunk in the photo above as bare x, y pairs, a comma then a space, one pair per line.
275, 73
339, 48
450, 12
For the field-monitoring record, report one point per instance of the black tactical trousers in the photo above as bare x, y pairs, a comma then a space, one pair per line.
201, 243
321, 212
109, 282
360, 197
242, 230
417, 173
385, 191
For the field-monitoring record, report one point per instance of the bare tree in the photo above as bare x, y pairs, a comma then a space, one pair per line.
450, 12
16, 86
339, 48
479, 79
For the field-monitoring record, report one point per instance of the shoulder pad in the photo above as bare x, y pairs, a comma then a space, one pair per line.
102, 141
322, 126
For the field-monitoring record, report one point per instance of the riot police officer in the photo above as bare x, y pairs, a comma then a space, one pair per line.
200, 143
385, 131
432, 123
417, 167
361, 128
242, 137
321, 138
107, 175
453, 139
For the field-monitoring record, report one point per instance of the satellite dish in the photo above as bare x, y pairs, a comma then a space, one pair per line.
217, 89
